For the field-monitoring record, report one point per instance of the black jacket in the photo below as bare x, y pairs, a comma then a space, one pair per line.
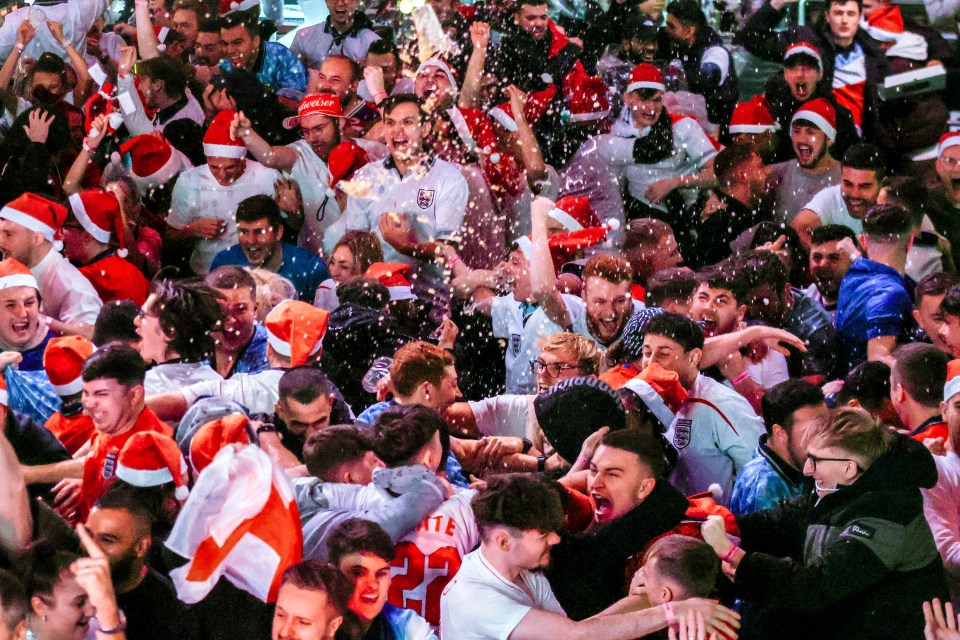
865, 557
587, 570
721, 96
758, 37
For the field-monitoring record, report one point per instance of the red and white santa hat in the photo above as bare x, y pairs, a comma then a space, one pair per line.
645, 76
98, 212
162, 33
151, 459
4, 398
752, 116
37, 214
63, 361
343, 162
537, 104
589, 100
316, 104
821, 114
295, 329
660, 390
392, 275
947, 140
209, 439
153, 161
217, 142
804, 48
16, 274
885, 23
952, 387
575, 213
232, 6
444, 66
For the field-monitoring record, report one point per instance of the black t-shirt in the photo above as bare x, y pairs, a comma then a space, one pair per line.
154, 613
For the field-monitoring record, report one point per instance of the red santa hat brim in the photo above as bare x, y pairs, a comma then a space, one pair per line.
80, 212
818, 120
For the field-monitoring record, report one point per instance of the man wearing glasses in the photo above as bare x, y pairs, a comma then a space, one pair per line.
825, 563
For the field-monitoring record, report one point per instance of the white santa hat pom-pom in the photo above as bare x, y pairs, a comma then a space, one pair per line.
123, 253
717, 491
161, 47
94, 133
181, 493
57, 245
115, 119
614, 224
115, 157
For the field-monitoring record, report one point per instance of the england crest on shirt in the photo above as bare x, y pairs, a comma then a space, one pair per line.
425, 198
681, 432
109, 466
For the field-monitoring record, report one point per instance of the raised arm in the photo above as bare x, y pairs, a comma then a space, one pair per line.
25, 33
470, 91
73, 182
543, 277
530, 154
84, 82
281, 158
147, 40
16, 523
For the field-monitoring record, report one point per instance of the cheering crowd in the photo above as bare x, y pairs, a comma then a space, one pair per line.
517, 319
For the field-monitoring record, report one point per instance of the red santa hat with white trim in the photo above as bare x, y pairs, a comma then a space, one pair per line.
4, 398
37, 214
947, 140
151, 459
537, 104
645, 76
63, 361
885, 23
153, 161
752, 116
16, 274
392, 275
806, 49
295, 329
98, 212
952, 386
217, 142
821, 114
589, 100
575, 213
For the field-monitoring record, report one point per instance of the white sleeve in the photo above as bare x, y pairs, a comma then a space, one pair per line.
133, 116
695, 142
82, 303
451, 205
503, 415
482, 612
820, 204
546, 598
613, 150
252, 391
941, 504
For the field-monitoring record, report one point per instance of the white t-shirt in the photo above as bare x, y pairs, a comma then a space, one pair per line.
434, 201
430, 555
197, 195
67, 294
256, 392
692, 149
522, 338
503, 415
320, 209
481, 604
165, 378
711, 450
770, 371
830, 207
77, 17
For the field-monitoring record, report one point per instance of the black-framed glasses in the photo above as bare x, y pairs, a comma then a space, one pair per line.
553, 369
814, 460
